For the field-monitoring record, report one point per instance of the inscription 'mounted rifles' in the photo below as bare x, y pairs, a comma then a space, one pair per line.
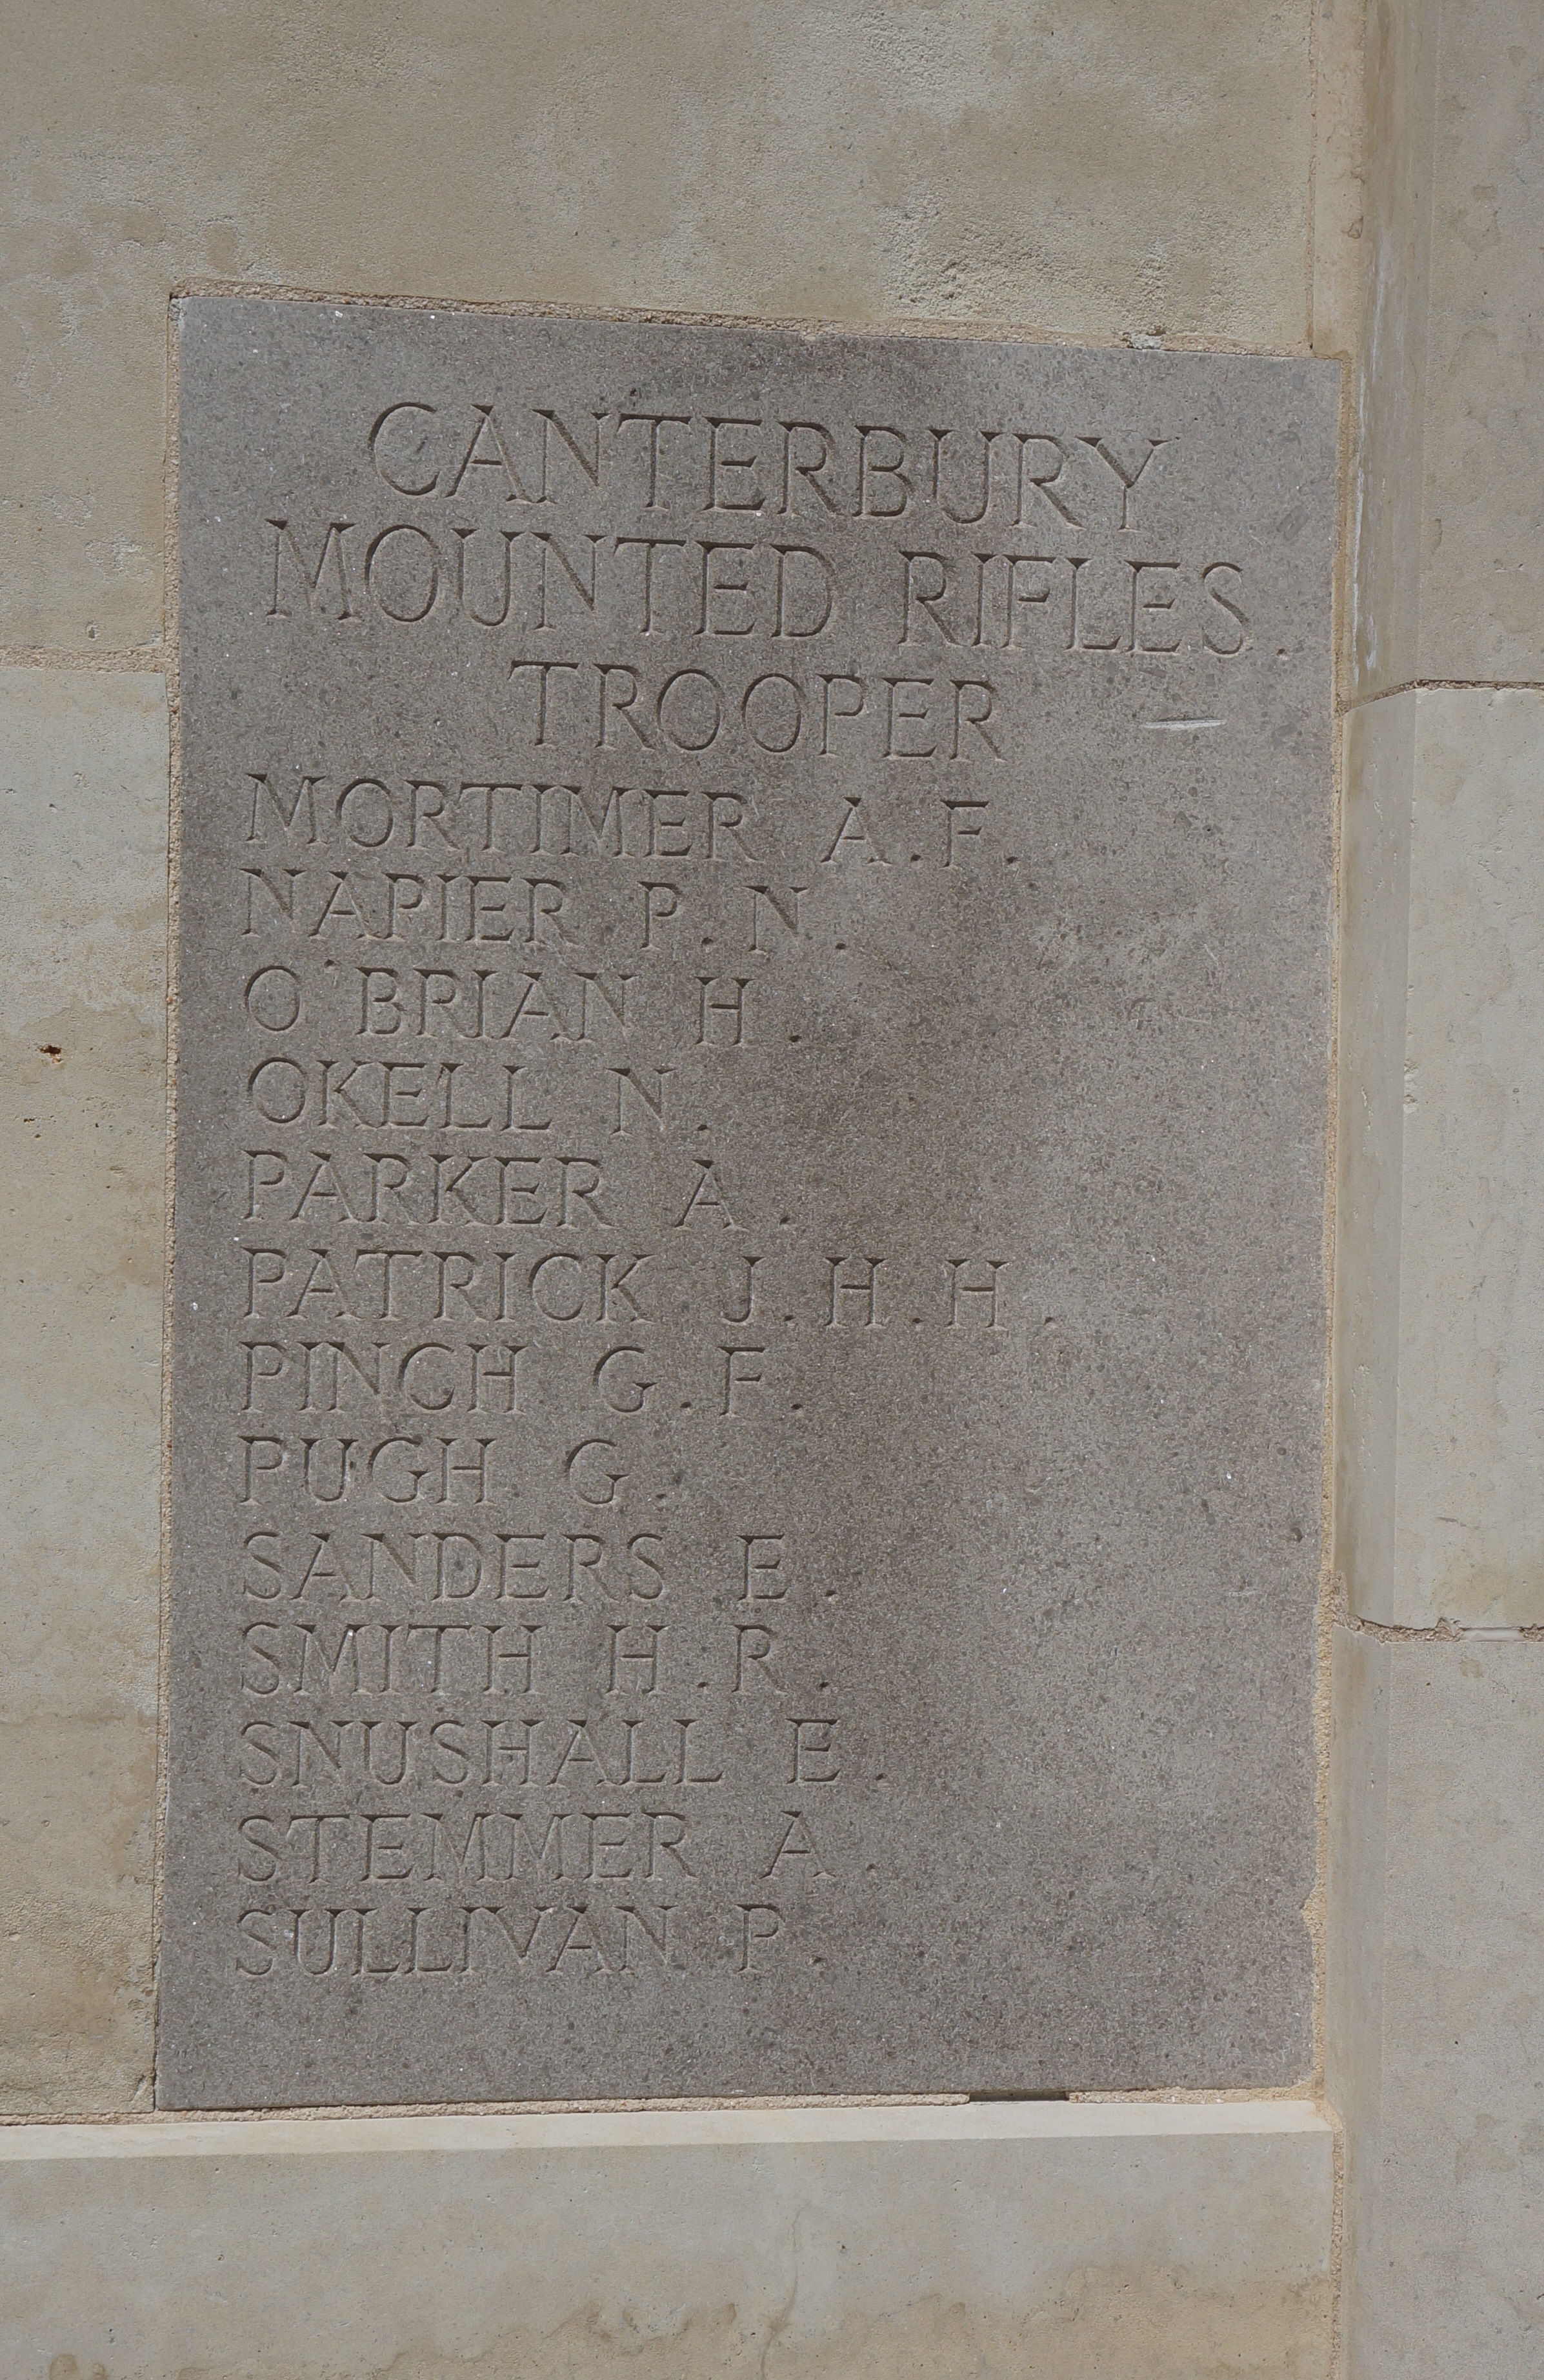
746, 1304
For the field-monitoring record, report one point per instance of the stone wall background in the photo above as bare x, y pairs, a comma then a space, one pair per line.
1436, 2011
1099, 169
1107, 170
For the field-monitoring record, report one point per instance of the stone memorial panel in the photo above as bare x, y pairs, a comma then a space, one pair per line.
748, 1312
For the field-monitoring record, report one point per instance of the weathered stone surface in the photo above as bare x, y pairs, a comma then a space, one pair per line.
1436, 2013
82, 1124
1448, 578
1093, 172
747, 1312
1079, 2243
1441, 1277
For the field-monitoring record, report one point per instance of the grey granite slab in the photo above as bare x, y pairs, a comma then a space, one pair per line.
748, 1312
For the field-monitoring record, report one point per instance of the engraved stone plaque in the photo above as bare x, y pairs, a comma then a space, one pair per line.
747, 1313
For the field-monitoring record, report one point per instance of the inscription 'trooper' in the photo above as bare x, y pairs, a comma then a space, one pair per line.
747, 1309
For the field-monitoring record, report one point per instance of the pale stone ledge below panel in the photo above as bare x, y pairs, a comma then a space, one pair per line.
1436, 2005
1094, 171
83, 1032
1440, 1274
1106, 2243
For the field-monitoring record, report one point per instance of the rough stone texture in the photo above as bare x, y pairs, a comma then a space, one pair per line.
1438, 2015
1338, 262
1355, 1937
1081, 2243
1450, 578
82, 1029
949, 1061
1482, 566
1122, 167
1442, 1262
1378, 760
1433, 2014
1386, 495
